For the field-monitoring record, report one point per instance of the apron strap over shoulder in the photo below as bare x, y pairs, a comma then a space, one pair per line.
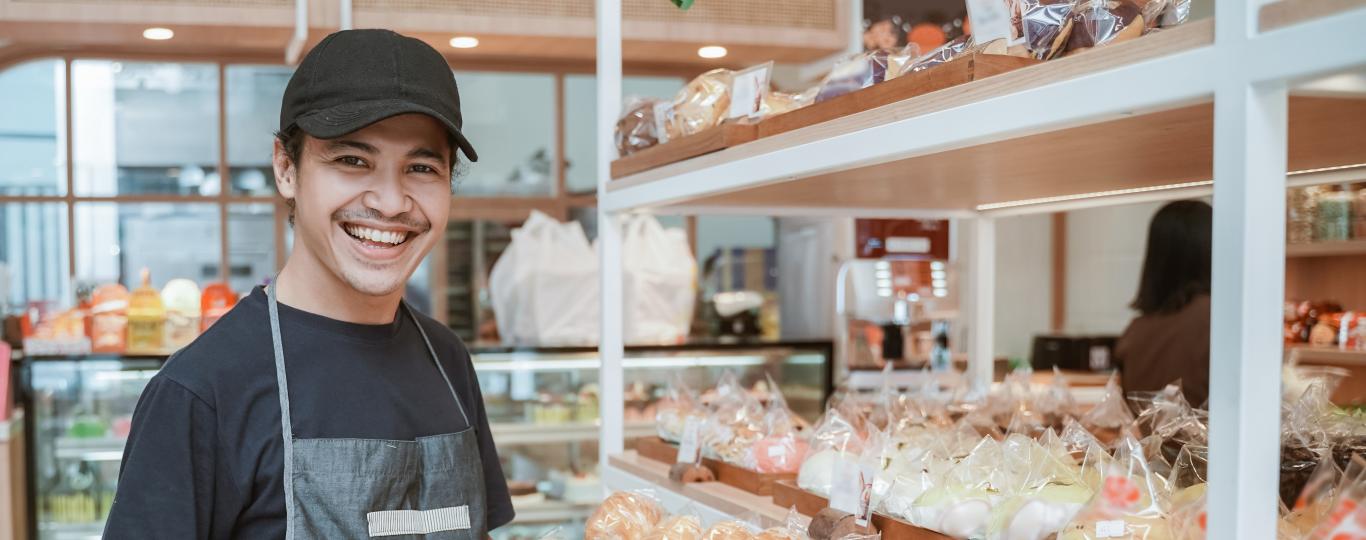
437, 360
286, 426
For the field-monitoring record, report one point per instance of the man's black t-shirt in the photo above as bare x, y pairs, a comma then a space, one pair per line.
204, 456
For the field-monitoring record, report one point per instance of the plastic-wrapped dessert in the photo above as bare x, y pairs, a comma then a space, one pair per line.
834, 439
729, 530
1111, 417
735, 424
623, 516
641, 126
672, 413
683, 527
1129, 504
700, 105
855, 73
783, 446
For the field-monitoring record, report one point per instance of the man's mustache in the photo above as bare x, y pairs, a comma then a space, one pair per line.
371, 214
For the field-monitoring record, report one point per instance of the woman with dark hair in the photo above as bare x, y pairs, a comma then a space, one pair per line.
1169, 340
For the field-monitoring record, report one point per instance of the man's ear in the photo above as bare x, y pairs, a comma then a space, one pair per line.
286, 171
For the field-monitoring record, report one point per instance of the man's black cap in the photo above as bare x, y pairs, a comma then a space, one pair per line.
355, 78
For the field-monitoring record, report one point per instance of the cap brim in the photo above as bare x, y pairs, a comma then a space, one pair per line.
336, 121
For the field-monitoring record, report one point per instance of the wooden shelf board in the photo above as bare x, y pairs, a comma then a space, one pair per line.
721, 497
1306, 354
1326, 249
1288, 12
1140, 150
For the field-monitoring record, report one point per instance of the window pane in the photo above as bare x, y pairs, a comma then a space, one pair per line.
510, 120
580, 122
32, 146
145, 127
253, 102
33, 255
114, 241
251, 245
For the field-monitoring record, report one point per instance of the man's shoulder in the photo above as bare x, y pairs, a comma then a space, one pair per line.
444, 340
228, 352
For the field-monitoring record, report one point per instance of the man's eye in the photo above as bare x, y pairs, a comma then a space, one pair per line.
423, 169
352, 161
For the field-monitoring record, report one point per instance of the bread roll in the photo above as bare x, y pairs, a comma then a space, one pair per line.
623, 515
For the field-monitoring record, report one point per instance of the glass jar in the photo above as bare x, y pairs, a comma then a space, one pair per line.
1333, 217
1299, 214
1359, 211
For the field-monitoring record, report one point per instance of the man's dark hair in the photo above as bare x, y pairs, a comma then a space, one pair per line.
1176, 268
292, 140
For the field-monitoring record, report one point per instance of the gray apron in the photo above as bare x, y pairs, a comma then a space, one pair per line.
431, 488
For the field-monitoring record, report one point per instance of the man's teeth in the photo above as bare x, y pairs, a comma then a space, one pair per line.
375, 235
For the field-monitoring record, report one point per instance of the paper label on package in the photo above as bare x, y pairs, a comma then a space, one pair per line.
865, 499
1110, 529
848, 487
747, 91
990, 20
662, 111
776, 451
689, 450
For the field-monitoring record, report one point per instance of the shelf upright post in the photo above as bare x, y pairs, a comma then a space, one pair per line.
982, 268
610, 344
1248, 282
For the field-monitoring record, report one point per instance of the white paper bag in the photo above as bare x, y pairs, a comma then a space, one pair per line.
660, 282
544, 287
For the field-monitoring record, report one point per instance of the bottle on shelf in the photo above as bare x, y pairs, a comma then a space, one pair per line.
1359, 211
146, 319
217, 300
182, 303
1333, 221
109, 319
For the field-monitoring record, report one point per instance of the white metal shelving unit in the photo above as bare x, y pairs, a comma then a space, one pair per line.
1201, 109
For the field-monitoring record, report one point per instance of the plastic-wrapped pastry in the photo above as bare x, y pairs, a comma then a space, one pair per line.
1129, 505
1036, 516
1111, 417
776, 103
944, 53
735, 424
834, 438
700, 105
1101, 22
783, 447
854, 73
1045, 26
684, 527
640, 126
729, 530
623, 516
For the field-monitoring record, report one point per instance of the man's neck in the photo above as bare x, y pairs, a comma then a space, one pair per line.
306, 285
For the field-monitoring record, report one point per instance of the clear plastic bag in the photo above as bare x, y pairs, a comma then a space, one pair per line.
835, 438
1101, 22
1316, 499
1129, 505
776, 103
735, 424
855, 73
1041, 490
624, 515
700, 105
961, 505
730, 530
1346, 518
640, 126
793, 528
783, 446
683, 526
1111, 417
671, 414
943, 54
1044, 25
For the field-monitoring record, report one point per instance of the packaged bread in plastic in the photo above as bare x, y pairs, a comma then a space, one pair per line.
1346, 518
735, 424
624, 515
678, 527
1130, 504
793, 528
1040, 490
835, 438
1111, 417
730, 530
1044, 25
783, 446
642, 125
961, 505
943, 54
1100, 22
700, 105
855, 73
776, 103
671, 414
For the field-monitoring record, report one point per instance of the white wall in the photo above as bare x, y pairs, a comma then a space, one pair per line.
1104, 259
1024, 282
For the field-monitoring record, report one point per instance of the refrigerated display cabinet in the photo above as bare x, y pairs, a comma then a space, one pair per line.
541, 404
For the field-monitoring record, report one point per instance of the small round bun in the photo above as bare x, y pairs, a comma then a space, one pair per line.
728, 530
623, 515
677, 528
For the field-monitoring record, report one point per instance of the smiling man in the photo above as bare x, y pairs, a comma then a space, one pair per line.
322, 406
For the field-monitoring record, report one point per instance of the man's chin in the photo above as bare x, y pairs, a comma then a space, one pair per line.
375, 285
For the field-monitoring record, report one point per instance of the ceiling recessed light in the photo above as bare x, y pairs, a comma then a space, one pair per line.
464, 42
712, 51
158, 34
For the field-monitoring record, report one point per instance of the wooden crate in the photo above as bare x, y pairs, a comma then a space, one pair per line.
964, 69
658, 449
718, 138
787, 495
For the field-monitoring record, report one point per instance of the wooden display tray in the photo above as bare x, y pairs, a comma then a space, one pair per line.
657, 449
718, 138
786, 494
964, 69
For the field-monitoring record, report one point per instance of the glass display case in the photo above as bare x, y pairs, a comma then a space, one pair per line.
541, 403
81, 411
543, 412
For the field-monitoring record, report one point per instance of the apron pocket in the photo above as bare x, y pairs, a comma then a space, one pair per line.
399, 522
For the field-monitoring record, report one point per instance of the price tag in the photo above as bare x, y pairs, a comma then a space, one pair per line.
689, 450
865, 500
662, 111
847, 492
1110, 529
747, 91
990, 20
